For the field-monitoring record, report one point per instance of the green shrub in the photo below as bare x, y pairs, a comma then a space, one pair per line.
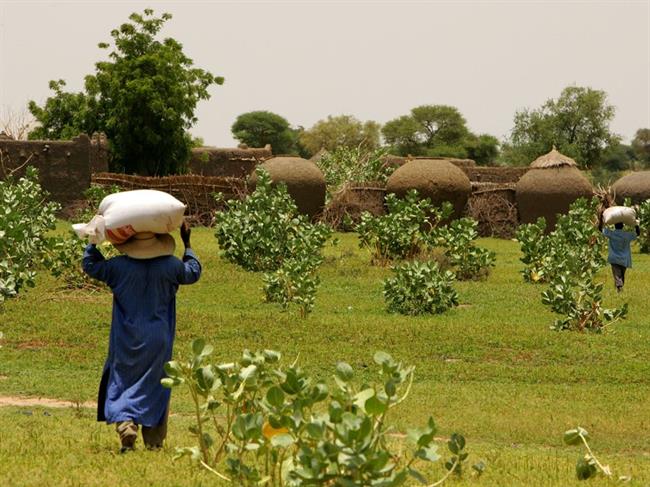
25, 219
259, 423
575, 246
457, 240
262, 231
420, 287
295, 282
579, 300
405, 231
354, 165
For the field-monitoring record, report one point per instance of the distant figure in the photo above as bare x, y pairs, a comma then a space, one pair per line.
144, 284
620, 253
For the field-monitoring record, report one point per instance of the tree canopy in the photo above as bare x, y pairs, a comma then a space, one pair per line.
258, 128
577, 124
143, 97
641, 146
440, 131
340, 131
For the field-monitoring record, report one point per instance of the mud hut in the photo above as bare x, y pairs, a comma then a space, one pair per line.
305, 182
549, 187
436, 179
635, 186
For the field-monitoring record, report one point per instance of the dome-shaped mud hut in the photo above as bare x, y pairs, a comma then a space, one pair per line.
549, 187
305, 182
635, 186
436, 179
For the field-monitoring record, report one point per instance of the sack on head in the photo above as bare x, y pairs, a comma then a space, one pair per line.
122, 215
619, 214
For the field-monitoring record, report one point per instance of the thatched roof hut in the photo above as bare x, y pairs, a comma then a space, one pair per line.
436, 179
553, 159
305, 182
553, 183
635, 186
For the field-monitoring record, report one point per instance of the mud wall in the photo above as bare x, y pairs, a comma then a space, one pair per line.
63, 165
232, 163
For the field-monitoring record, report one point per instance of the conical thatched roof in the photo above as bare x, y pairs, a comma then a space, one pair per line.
553, 159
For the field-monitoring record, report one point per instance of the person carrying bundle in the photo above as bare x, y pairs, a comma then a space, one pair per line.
619, 240
144, 283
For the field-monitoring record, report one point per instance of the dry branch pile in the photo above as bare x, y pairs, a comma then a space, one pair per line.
493, 207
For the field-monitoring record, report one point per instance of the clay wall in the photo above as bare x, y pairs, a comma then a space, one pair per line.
63, 165
233, 163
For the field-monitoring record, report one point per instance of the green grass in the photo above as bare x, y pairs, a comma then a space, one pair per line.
490, 369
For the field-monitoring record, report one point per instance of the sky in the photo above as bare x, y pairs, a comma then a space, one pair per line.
374, 60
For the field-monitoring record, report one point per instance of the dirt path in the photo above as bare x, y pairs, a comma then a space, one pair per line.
43, 402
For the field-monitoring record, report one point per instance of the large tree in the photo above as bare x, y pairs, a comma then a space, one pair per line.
641, 146
577, 124
438, 130
340, 131
143, 97
258, 128
63, 116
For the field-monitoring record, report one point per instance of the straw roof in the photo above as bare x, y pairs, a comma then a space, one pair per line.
553, 159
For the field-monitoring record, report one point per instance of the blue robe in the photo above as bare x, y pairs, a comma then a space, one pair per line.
142, 332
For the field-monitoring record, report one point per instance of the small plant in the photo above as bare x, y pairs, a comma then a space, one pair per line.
25, 220
588, 465
535, 247
580, 302
468, 260
262, 231
260, 423
418, 288
294, 283
404, 231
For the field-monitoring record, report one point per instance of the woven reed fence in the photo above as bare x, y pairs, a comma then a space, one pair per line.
197, 192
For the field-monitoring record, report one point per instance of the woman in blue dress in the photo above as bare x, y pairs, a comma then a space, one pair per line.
144, 283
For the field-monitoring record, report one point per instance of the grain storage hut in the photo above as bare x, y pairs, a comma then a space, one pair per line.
549, 187
436, 179
305, 182
635, 186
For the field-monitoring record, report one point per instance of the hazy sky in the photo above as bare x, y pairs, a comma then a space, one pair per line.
374, 60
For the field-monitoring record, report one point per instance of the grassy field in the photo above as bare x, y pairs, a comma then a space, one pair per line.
490, 369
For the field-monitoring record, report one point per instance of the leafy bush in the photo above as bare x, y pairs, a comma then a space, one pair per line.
261, 423
420, 287
24, 221
262, 231
579, 300
405, 231
354, 165
574, 247
469, 261
414, 227
295, 282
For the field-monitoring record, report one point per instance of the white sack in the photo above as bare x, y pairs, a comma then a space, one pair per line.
619, 214
122, 215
